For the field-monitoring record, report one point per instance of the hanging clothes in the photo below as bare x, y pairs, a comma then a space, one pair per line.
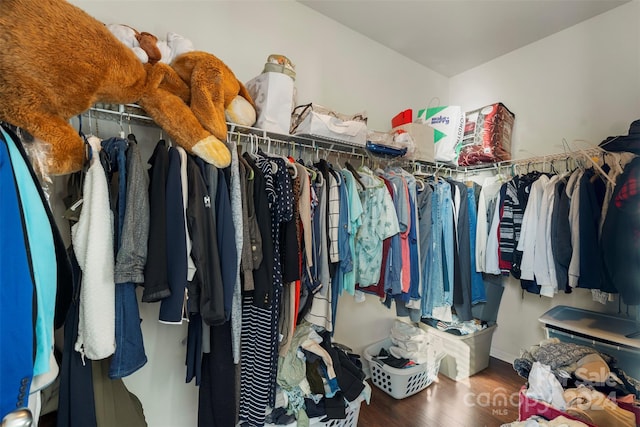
156, 285
76, 403
438, 296
241, 244
320, 311
592, 192
378, 222
527, 242
355, 221
16, 368
96, 329
478, 294
573, 191
171, 307
425, 198
543, 265
415, 285
462, 278
561, 234
226, 241
260, 325
129, 355
620, 237
393, 262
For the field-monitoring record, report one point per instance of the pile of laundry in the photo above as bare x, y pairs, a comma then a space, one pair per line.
457, 326
317, 381
578, 382
409, 347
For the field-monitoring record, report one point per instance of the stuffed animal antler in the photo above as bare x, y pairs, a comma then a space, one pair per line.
47, 77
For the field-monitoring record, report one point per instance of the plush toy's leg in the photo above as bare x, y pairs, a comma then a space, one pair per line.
67, 153
175, 117
162, 76
207, 97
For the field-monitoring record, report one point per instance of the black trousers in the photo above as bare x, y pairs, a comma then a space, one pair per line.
217, 399
76, 407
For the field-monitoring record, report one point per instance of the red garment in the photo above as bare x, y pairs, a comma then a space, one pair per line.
404, 245
627, 191
505, 266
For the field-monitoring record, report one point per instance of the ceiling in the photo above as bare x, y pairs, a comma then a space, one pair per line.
452, 36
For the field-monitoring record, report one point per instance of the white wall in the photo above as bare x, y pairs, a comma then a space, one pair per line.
581, 83
335, 67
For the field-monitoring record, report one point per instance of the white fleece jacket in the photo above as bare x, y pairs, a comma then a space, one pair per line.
92, 239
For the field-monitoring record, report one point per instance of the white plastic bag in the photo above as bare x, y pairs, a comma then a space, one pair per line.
544, 386
316, 120
448, 127
273, 95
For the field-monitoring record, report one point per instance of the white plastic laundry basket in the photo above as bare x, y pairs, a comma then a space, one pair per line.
401, 383
351, 420
353, 412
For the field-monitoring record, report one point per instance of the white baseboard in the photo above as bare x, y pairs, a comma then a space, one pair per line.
502, 355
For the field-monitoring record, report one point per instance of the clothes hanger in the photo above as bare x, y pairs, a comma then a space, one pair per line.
355, 174
366, 170
253, 150
241, 158
598, 168
292, 168
338, 165
88, 150
120, 122
335, 173
311, 172
319, 179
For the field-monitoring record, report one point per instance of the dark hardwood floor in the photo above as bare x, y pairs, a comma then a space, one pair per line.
487, 399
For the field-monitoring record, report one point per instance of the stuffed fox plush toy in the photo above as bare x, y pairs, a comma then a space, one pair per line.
48, 75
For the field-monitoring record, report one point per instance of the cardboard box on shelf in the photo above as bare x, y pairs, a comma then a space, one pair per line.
422, 137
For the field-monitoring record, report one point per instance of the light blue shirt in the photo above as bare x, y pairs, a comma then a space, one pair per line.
43, 256
379, 221
354, 223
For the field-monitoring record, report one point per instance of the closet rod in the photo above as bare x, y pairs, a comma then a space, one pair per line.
135, 112
577, 154
118, 112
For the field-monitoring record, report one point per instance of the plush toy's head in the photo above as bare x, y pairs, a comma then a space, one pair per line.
45, 79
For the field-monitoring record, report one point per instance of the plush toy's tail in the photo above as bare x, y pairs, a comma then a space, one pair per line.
240, 111
246, 95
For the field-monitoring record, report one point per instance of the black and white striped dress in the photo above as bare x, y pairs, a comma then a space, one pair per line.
259, 353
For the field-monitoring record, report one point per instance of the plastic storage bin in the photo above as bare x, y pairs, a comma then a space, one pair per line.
401, 383
608, 334
466, 355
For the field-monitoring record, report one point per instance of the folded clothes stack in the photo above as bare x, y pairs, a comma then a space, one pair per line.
409, 346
